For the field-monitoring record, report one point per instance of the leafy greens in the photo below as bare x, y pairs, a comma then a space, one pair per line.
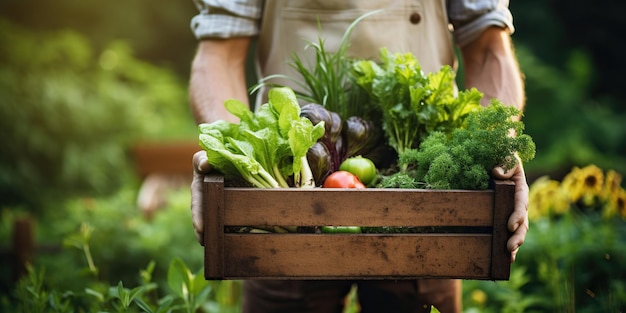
464, 158
268, 147
413, 104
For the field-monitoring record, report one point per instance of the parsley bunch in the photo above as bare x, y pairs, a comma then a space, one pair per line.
464, 158
412, 103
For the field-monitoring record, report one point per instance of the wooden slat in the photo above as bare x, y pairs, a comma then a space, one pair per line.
309, 256
504, 201
364, 207
214, 227
356, 256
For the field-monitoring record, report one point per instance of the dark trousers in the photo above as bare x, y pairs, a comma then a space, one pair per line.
410, 296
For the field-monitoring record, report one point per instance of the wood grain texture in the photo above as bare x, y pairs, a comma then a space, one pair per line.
364, 207
504, 205
353, 256
356, 256
214, 227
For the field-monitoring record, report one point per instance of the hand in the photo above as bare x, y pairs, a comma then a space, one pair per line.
200, 167
518, 221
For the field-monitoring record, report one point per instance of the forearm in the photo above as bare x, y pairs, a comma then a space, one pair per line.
218, 74
491, 67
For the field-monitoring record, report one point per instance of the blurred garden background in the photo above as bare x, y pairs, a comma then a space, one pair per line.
87, 89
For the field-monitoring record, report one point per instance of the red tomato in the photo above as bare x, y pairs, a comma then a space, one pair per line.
342, 179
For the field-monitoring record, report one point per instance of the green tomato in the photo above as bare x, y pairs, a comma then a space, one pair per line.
362, 167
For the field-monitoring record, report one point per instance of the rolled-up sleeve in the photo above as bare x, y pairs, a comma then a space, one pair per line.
471, 17
226, 18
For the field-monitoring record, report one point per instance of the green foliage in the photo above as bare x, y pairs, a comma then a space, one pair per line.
267, 148
464, 158
327, 80
472, 152
159, 34
113, 246
585, 217
585, 273
568, 124
68, 114
412, 103
501, 296
188, 292
118, 238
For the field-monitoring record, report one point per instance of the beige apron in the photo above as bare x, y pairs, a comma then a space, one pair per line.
417, 26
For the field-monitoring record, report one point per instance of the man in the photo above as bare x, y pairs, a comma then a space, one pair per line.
427, 28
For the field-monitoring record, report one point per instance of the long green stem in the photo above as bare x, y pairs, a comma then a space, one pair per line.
398, 138
269, 179
409, 135
306, 175
256, 181
90, 263
279, 177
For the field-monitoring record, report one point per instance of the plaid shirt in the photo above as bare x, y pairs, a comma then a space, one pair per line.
234, 18
226, 18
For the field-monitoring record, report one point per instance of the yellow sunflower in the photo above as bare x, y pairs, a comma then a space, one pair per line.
620, 204
571, 184
593, 179
616, 205
584, 184
612, 185
546, 197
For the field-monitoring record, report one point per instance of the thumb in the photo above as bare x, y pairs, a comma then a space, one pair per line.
500, 173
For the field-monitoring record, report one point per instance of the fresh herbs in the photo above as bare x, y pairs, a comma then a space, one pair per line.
267, 148
413, 104
442, 137
464, 158
327, 80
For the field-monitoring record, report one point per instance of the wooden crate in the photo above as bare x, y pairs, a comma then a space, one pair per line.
472, 255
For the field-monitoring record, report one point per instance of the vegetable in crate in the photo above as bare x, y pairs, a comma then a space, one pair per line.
328, 80
340, 229
362, 167
342, 139
343, 179
267, 148
413, 104
464, 158
334, 97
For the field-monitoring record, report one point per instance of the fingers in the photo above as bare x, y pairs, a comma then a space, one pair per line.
201, 166
199, 236
517, 239
197, 213
518, 221
201, 162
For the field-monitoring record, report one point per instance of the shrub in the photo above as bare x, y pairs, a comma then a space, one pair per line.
68, 115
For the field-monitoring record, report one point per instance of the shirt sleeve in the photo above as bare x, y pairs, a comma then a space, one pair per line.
471, 18
226, 18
